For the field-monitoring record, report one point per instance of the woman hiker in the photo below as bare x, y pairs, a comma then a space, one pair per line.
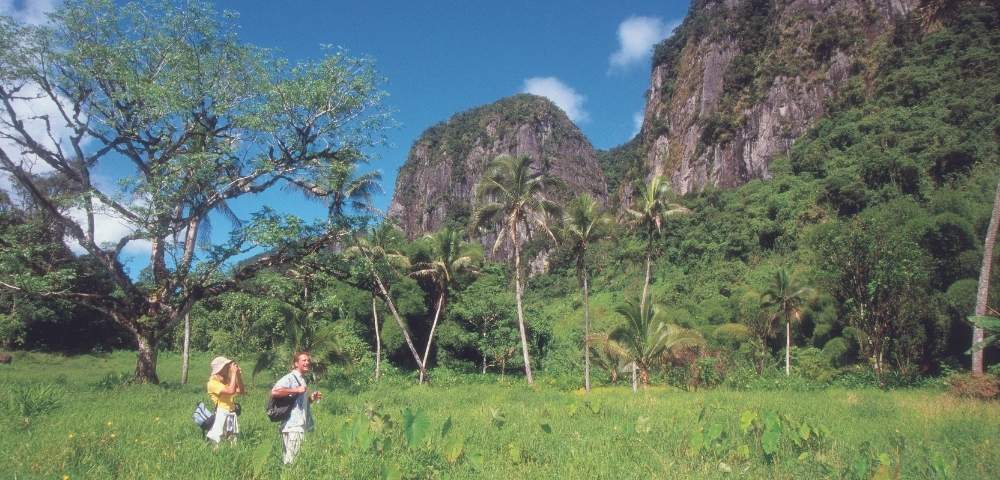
225, 383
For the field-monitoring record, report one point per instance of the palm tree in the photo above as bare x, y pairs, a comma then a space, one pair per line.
649, 212
584, 223
509, 198
377, 255
610, 354
647, 339
787, 298
984, 286
341, 186
450, 256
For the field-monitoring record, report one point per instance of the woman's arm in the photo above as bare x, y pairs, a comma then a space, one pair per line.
233, 387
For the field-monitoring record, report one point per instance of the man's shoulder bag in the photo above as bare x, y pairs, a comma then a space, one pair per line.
280, 408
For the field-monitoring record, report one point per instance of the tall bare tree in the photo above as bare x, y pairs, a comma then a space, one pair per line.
984, 285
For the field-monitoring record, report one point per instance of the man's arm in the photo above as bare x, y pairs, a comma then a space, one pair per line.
283, 389
277, 392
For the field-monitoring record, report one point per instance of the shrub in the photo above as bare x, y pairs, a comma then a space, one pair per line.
32, 400
981, 387
813, 364
112, 380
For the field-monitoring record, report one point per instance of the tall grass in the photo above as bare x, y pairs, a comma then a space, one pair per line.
85, 424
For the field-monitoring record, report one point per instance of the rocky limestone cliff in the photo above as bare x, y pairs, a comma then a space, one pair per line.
741, 79
436, 184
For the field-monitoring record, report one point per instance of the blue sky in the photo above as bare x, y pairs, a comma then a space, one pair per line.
442, 57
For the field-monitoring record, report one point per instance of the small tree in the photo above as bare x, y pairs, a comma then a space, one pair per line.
510, 198
584, 223
450, 257
649, 211
376, 256
647, 338
786, 300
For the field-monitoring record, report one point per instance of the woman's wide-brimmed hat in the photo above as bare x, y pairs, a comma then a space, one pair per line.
218, 363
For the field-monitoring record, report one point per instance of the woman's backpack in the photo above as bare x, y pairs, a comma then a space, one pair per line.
203, 417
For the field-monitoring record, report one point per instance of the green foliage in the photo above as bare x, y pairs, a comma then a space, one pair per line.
33, 399
148, 432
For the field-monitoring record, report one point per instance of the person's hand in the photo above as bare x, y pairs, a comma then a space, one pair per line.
301, 389
315, 396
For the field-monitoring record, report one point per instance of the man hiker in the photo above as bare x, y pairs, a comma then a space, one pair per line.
299, 419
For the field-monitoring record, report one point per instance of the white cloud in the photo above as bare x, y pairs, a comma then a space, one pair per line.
108, 229
637, 119
636, 38
32, 12
32, 108
561, 94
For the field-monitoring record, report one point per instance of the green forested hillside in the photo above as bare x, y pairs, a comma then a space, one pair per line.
880, 210
901, 174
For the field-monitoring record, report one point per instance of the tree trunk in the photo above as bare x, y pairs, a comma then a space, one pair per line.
586, 335
145, 367
186, 353
788, 348
378, 341
520, 308
402, 326
982, 293
645, 283
635, 385
430, 338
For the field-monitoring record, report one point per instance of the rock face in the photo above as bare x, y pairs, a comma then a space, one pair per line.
741, 79
437, 183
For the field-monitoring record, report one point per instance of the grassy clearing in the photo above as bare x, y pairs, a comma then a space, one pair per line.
64, 416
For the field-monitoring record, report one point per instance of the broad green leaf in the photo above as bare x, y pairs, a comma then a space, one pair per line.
713, 433
746, 420
475, 459
446, 427
804, 431
770, 440
416, 426
771, 421
984, 321
514, 452
391, 472
546, 428
642, 425
498, 419
453, 449
743, 451
804, 456
695, 441
860, 466
883, 473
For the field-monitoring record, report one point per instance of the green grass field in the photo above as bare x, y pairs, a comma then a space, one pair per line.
64, 417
